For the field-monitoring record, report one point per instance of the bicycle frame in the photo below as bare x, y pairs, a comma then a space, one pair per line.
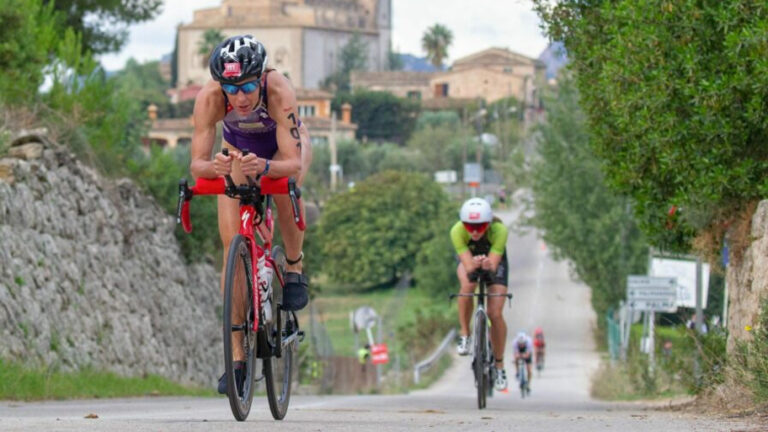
251, 200
482, 296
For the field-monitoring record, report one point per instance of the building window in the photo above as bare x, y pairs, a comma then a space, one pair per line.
414, 94
306, 110
507, 69
319, 141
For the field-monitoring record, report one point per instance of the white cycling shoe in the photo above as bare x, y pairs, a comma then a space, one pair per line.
463, 347
501, 380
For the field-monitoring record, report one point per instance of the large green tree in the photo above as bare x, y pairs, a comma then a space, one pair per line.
435, 43
373, 233
103, 24
443, 145
145, 84
28, 34
676, 94
579, 216
380, 116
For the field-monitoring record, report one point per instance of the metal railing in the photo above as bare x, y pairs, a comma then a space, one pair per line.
426, 364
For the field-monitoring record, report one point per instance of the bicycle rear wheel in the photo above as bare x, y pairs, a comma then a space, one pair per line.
239, 337
281, 332
480, 355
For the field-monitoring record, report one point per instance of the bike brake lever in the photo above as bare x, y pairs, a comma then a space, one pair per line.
228, 178
184, 195
251, 182
294, 192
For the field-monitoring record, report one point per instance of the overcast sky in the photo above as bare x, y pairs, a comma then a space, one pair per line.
476, 25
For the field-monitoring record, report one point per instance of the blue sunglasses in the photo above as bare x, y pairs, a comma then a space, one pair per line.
247, 88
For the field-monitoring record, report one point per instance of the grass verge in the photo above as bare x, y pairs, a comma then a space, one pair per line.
18, 382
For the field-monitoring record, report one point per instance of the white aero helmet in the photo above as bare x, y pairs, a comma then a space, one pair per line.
476, 211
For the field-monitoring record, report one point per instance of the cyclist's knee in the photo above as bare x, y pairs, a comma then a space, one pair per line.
496, 317
467, 287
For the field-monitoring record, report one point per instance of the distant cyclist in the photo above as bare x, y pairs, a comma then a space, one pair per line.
480, 240
524, 350
538, 345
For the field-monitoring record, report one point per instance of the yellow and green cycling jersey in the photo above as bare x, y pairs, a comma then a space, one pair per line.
493, 240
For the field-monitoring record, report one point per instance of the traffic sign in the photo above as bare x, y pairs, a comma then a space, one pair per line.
649, 293
685, 272
379, 353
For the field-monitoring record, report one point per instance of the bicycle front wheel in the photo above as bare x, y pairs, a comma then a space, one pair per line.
239, 338
282, 337
480, 347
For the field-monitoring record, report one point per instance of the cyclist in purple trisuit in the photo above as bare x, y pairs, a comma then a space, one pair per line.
257, 108
480, 240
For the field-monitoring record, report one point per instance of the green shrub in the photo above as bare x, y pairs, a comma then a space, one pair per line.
688, 347
372, 233
420, 335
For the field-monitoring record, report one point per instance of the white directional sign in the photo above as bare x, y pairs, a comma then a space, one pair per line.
685, 272
649, 293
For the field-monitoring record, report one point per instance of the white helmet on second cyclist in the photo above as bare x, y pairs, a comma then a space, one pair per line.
476, 211
476, 216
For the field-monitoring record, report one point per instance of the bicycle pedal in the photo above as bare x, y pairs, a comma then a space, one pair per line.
301, 335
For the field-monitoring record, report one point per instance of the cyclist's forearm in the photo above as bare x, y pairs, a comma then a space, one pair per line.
202, 169
467, 261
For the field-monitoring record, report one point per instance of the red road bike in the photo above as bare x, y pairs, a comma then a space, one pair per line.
254, 325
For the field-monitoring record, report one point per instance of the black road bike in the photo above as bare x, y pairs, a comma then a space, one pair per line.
482, 352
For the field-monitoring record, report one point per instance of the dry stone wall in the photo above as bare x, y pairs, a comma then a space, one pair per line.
748, 280
91, 274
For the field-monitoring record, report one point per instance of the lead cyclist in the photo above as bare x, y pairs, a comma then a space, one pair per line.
258, 111
480, 240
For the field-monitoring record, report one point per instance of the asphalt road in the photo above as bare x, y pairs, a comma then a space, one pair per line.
544, 296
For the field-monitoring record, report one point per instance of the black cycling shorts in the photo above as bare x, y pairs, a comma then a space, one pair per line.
500, 277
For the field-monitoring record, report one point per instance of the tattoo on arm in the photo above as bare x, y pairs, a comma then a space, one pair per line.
295, 128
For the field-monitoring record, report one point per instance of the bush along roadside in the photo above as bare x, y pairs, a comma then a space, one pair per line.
750, 360
686, 363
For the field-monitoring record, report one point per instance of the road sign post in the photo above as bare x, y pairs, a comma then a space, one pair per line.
650, 295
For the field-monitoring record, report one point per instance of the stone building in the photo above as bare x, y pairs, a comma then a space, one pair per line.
304, 38
491, 74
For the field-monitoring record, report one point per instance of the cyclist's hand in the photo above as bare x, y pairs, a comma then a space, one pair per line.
222, 164
478, 259
486, 264
251, 165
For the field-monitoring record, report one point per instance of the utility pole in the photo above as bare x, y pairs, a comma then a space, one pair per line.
332, 147
698, 322
464, 156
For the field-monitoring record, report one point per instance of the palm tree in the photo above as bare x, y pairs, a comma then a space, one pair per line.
435, 42
211, 39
